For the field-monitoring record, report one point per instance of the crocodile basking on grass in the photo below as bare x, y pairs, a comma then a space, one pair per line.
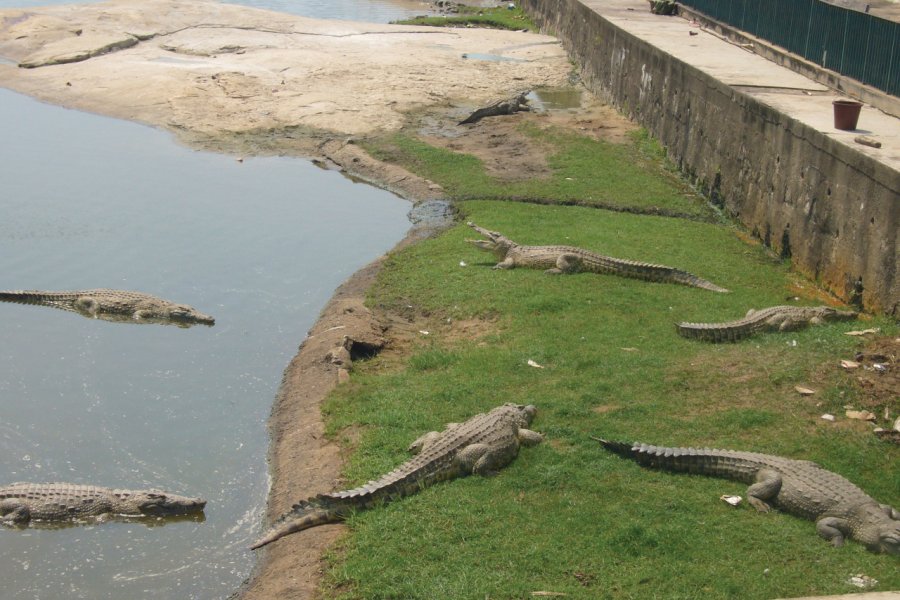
481, 445
799, 487
569, 259
21, 503
114, 305
775, 318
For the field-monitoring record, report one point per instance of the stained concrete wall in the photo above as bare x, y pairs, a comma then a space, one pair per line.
834, 211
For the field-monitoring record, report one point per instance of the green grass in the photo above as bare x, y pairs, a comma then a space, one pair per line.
566, 516
473, 16
587, 172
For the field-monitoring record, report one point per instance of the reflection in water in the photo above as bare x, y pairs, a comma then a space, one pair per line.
115, 306
197, 517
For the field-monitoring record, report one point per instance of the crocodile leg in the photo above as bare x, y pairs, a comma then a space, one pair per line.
507, 263
528, 437
566, 263
833, 529
481, 459
890, 511
13, 512
766, 488
87, 305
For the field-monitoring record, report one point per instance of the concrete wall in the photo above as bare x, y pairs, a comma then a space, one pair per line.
834, 211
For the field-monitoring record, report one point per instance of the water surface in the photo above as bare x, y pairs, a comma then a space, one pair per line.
88, 201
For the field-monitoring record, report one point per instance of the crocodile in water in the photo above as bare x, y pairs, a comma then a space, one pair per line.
481, 445
799, 487
114, 305
21, 503
775, 318
569, 259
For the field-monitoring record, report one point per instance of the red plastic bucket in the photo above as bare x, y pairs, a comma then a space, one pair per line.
846, 114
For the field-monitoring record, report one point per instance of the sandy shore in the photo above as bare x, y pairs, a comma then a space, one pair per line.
246, 81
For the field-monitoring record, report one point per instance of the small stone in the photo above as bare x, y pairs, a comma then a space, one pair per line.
849, 364
827, 417
804, 391
861, 415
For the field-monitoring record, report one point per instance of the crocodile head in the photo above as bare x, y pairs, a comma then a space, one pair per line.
156, 502
496, 242
826, 313
878, 527
523, 414
188, 314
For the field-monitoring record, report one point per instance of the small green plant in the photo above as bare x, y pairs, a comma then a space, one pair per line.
472, 16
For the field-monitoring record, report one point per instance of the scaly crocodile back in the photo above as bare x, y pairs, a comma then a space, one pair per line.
66, 501
112, 305
758, 320
808, 490
545, 257
438, 461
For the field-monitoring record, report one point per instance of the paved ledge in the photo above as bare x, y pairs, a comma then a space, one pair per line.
755, 136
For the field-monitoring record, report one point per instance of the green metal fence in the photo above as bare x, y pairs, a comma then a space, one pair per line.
859, 45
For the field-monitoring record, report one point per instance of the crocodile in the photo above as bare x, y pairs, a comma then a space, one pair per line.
481, 445
113, 305
507, 106
799, 487
774, 318
569, 259
21, 503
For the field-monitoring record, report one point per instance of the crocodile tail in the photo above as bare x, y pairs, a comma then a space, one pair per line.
303, 515
23, 297
716, 333
620, 448
685, 278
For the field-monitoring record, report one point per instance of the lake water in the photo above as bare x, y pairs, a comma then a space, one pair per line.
87, 202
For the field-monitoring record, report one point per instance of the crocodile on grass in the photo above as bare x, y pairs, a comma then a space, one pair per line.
569, 259
775, 318
799, 487
481, 445
21, 503
113, 305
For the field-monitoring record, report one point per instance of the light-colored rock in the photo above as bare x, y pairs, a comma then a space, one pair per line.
211, 69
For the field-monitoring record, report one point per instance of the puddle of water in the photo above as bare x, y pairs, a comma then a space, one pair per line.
87, 202
491, 57
555, 98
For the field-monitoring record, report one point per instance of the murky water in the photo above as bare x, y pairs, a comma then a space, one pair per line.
87, 201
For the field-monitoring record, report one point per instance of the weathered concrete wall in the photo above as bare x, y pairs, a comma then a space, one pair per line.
834, 211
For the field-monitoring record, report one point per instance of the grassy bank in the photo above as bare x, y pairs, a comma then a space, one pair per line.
472, 16
567, 517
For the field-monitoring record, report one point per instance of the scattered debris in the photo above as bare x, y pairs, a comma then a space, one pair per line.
827, 417
462, 263
862, 581
423, 332
880, 367
804, 391
732, 500
849, 364
887, 435
629, 349
861, 415
863, 331
867, 141
531, 363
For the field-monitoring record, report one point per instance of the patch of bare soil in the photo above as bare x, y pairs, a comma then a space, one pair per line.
878, 380
510, 155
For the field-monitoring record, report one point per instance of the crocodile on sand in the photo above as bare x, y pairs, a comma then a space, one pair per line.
569, 259
113, 305
21, 503
775, 318
799, 487
507, 106
481, 445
